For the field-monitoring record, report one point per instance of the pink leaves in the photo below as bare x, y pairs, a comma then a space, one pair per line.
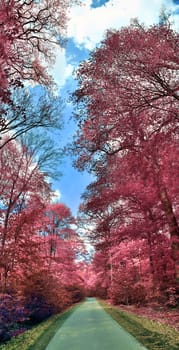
35, 234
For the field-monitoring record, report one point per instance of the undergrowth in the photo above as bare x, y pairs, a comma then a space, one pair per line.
39, 336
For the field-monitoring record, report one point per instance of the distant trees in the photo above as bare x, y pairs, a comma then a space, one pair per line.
37, 240
128, 137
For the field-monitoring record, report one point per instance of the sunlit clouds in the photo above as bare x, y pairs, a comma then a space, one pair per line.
87, 25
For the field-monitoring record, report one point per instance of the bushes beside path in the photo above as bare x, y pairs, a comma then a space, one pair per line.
39, 336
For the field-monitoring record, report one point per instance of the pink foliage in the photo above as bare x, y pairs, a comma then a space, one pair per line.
127, 137
37, 240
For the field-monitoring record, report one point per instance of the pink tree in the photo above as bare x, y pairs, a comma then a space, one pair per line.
23, 189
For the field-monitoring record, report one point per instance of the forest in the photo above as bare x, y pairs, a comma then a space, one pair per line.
126, 110
128, 137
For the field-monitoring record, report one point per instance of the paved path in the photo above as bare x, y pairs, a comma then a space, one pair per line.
91, 328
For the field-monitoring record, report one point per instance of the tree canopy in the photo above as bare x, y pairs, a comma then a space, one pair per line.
127, 115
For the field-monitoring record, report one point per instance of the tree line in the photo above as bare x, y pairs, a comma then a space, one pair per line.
127, 104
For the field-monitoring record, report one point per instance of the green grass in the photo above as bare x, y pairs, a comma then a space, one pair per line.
153, 335
38, 337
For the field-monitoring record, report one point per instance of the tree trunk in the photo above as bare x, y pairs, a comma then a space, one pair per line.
173, 228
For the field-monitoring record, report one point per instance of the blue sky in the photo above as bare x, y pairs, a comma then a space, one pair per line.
86, 27
98, 3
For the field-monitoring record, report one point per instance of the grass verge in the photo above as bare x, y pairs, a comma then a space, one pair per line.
153, 335
39, 336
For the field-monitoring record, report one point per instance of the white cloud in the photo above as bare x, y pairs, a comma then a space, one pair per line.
87, 25
56, 196
61, 70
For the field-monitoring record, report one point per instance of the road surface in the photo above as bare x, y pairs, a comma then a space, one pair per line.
91, 328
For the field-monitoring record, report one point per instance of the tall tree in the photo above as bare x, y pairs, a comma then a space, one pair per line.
23, 188
128, 116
